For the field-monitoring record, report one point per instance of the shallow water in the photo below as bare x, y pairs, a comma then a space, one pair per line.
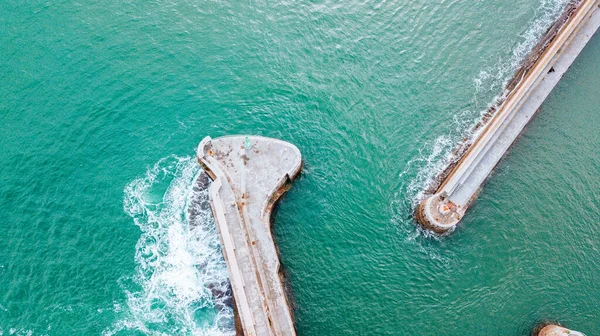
103, 104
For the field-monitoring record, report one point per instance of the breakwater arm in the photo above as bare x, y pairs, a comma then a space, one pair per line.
250, 174
554, 330
549, 61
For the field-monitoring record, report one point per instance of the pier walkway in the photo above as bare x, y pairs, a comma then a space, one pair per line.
250, 174
444, 209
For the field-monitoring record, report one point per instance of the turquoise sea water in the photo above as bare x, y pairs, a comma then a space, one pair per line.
103, 103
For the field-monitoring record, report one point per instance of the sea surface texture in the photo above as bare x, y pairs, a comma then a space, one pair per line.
102, 104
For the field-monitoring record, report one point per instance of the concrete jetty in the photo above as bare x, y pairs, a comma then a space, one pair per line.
250, 174
554, 330
462, 180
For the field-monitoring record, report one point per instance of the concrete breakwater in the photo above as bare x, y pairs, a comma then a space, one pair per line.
554, 330
460, 183
250, 174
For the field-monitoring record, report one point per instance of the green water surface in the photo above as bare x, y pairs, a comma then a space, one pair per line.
97, 97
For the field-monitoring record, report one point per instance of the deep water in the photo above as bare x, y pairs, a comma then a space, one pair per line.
103, 103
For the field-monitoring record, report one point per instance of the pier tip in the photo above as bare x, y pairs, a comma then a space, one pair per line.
438, 214
555, 330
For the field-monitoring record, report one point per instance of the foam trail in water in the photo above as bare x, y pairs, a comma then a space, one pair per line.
435, 156
180, 286
17, 332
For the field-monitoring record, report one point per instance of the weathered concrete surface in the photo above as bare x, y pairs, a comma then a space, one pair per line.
554, 330
250, 174
443, 210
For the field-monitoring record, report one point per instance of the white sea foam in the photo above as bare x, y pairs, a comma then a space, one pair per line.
17, 332
178, 263
20, 332
435, 156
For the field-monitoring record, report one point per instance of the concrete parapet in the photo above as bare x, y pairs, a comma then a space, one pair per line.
250, 174
463, 179
554, 330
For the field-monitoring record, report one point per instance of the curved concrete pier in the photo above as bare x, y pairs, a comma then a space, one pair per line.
443, 210
554, 330
250, 174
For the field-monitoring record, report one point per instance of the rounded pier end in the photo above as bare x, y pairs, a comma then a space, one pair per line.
438, 214
554, 330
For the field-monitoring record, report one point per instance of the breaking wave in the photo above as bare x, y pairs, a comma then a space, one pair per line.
180, 285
